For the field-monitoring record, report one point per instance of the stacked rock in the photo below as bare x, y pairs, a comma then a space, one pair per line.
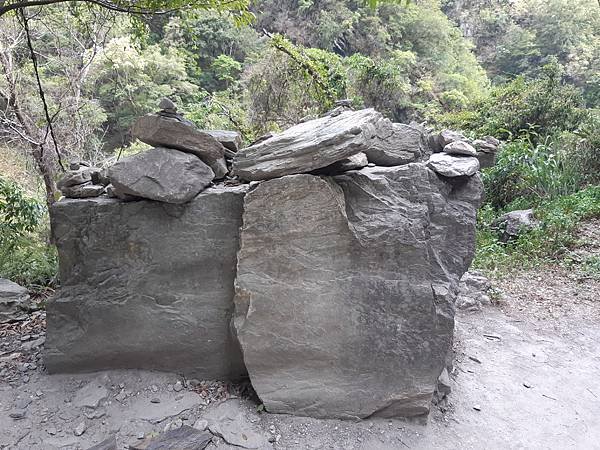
337, 259
484, 149
82, 181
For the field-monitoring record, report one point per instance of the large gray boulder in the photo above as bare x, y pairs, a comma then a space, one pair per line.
14, 301
345, 288
396, 144
146, 285
514, 223
231, 140
160, 174
172, 132
308, 146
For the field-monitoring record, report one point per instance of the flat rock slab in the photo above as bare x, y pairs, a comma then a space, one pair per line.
231, 140
146, 285
396, 144
453, 166
14, 301
183, 438
307, 146
229, 422
349, 313
160, 131
160, 174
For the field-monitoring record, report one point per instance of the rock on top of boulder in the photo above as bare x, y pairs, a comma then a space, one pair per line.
160, 131
453, 166
308, 146
161, 174
396, 144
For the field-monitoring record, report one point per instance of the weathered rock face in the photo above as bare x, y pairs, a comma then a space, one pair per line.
146, 285
160, 174
160, 131
396, 144
514, 223
350, 312
231, 140
308, 146
460, 148
14, 301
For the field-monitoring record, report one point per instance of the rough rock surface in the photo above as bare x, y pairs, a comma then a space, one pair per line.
350, 312
160, 131
231, 140
14, 301
453, 166
396, 144
460, 148
146, 285
486, 150
229, 422
160, 174
473, 291
353, 162
513, 223
443, 138
307, 146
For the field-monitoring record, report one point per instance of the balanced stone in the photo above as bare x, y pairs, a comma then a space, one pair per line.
460, 148
350, 313
160, 174
453, 166
231, 140
161, 131
396, 144
146, 285
308, 146
353, 162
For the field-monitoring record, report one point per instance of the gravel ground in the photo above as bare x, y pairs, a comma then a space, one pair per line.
525, 377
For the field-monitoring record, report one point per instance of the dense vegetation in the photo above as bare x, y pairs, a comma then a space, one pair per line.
526, 72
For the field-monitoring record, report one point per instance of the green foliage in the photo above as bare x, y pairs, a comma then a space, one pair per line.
545, 105
559, 219
19, 214
24, 256
529, 173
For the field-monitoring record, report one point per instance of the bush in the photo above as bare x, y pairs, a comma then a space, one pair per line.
559, 219
25, 256
528, 173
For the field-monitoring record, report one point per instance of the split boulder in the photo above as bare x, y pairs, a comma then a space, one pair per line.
160, 174
350, 313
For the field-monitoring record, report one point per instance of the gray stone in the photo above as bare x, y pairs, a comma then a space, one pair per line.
146, 285
443, 387
443, 138
350, 313
14, 301
80, 429
512, 224
110, 443
473, 291
453, 166
180, 438
460, 148
231, 140
160, 131
85, 190
487, 149
353, 162
167, 104
160, 174
228, 421
75, 177
307, 146
91, 395
396, 144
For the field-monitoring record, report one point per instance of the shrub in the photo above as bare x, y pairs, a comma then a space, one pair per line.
25, 256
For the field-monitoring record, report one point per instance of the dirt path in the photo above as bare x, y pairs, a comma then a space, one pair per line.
526, 376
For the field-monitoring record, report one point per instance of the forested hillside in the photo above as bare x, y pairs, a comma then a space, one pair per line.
526, 72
